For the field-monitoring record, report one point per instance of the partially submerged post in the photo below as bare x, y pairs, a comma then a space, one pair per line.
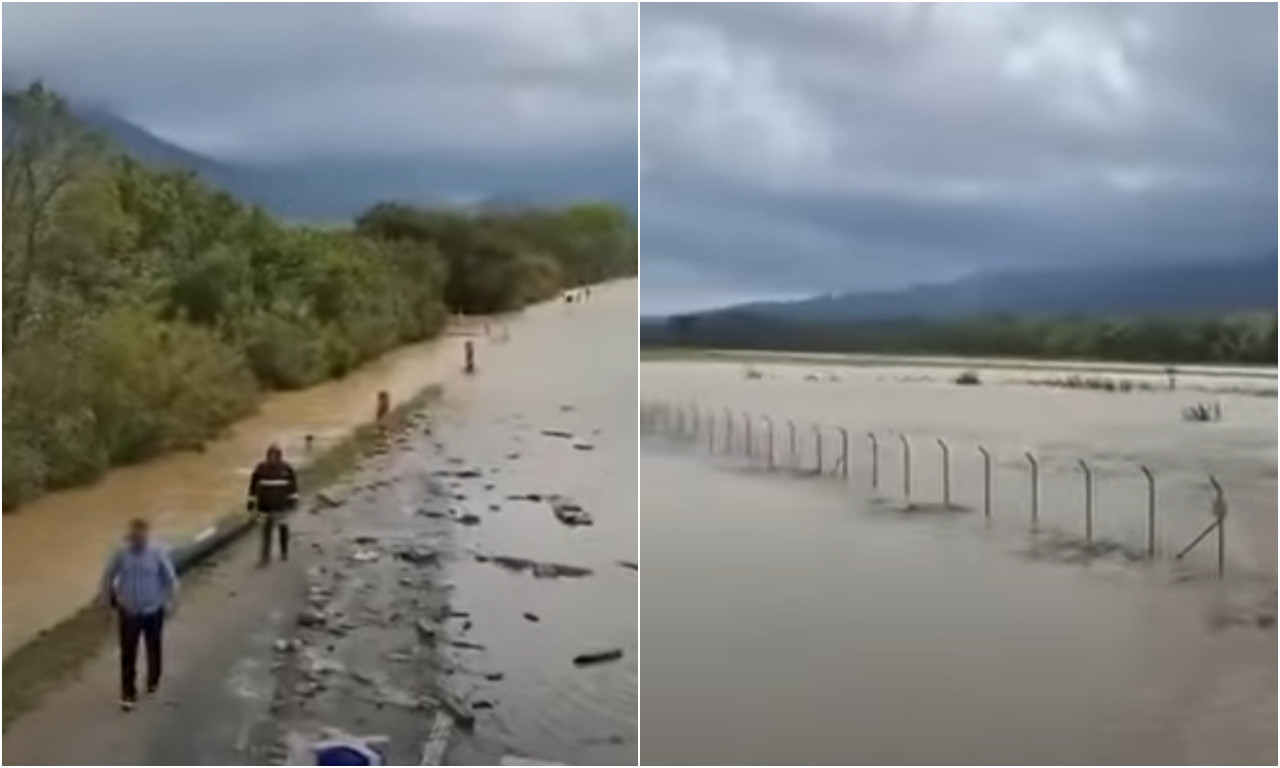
1088, 501
728, 431
986, 482
817, 432
1220, 512
1219, 523
1151, 512
791, 437
746, 422
875, 460
906, 466
768, 423
844, 451
1035, 490
946, 473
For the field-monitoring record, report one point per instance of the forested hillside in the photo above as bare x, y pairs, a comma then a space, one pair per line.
145, 310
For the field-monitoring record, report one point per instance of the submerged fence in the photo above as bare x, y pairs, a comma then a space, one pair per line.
725, 432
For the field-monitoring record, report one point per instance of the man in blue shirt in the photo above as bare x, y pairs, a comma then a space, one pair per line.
140, 583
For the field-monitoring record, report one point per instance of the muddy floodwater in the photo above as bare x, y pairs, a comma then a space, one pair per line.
790, 619
54, 547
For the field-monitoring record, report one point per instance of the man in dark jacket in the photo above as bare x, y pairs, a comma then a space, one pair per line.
273, 493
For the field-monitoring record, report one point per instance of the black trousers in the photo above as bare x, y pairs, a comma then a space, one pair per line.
274, 521
149, 627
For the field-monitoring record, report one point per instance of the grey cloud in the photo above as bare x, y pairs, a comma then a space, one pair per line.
282, 81
892, 143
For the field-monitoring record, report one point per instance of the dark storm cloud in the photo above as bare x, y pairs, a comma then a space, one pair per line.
288, 81
806, 148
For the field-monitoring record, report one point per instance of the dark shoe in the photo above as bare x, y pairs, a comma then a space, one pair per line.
151, 689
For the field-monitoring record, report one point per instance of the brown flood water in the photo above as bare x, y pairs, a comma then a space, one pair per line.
54, 547
798, 621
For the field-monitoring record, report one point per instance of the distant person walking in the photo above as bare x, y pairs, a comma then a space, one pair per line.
273, 494
384, 411
141, 584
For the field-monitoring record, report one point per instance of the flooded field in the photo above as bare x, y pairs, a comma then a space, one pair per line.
54, 547
801, 620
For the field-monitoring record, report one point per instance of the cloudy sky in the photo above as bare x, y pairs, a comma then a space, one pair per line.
789, 150
538, 84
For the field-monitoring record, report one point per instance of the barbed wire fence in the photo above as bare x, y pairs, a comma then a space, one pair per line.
825, 451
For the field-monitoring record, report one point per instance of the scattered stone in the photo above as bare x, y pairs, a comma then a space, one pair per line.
468, 518
1266, 620
540, 570
568, 511
466, 645
283, 646
416, 555
597, 657
366, 540
629, 565
432, 513
462, 715
364, 556
495, 508
566, 408
532, 616
455, 614
558, 433
482, 704
425, 630
513, 456
312, 618
582, 445
494, 677
467, 473
327, 498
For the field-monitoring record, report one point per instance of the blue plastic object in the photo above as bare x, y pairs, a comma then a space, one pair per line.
346, 754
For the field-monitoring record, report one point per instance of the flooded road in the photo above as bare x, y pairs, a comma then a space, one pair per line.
433, 582
795, 620
573, 374
53, 547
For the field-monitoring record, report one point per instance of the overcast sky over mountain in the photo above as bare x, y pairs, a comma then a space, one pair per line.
796, 149
541, 84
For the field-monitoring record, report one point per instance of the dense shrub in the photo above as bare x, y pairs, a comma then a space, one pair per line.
145, 310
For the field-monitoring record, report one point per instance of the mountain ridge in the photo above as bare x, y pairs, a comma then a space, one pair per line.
342, 188
1221, 287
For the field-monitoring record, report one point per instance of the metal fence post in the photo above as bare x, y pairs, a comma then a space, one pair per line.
1151, 512
817, 431
1035, 490
1220, 512
875, 460
906, 466
728, 431
768, 422
746, 431
946, 473
844, 451
791, 437
986, 482
1088, 501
